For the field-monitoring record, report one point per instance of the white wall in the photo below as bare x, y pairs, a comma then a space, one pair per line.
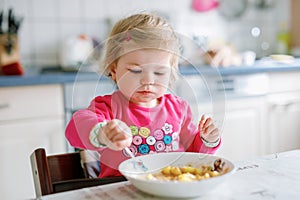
47, 23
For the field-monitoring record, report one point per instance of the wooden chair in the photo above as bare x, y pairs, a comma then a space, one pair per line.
62, 172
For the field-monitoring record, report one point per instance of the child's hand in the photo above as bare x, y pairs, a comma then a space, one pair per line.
115, 135
208, 130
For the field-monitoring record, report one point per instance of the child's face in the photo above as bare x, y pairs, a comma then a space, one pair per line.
143, 75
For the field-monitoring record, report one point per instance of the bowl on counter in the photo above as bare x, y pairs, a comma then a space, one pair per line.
147, 181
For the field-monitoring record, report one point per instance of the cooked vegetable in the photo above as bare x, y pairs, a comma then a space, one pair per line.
189, 173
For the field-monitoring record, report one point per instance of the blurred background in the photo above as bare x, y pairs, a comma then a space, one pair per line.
43, 42
263, 26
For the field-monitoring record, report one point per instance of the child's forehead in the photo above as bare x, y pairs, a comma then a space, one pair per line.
148, 54
147, 57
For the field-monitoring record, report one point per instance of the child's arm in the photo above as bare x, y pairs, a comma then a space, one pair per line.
94, 128
83, 122
78, 129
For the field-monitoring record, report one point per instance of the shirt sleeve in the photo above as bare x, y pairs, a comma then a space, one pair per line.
83, 121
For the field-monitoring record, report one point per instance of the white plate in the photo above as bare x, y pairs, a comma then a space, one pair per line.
175, 189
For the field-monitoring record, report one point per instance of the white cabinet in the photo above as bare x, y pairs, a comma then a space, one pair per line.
30, 117
241, 124
283, 115
284, 121
262, 112
237, 104
243, 130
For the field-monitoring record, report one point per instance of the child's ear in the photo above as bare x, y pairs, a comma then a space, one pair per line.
113, 69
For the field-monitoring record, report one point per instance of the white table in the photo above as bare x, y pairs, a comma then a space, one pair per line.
275, 176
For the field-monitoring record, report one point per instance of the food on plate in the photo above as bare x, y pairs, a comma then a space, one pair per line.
189, 163
188, 172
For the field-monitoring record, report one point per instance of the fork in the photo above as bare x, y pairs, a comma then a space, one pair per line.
136, 162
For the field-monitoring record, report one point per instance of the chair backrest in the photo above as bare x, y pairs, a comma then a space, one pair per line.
48, 170
62, 172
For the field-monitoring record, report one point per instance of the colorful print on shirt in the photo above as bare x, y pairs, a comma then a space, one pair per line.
144, 141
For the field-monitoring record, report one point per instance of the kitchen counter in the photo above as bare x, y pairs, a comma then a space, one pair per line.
54, 76
57, 76
274, 176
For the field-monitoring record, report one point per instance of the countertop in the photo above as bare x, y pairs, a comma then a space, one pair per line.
55, 75
274, 176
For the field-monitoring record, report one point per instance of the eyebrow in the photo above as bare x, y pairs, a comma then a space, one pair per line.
158, 65
133, 63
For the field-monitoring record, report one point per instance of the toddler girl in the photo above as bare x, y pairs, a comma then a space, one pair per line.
142, 59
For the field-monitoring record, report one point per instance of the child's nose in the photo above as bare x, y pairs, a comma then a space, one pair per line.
147, 79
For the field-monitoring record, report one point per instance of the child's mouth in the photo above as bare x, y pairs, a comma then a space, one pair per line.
145, 92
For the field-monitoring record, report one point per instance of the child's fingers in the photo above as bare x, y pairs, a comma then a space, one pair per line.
212, 136
206, 125
117, 127
203, 117
208, 122
109, 130
120, 136
119, 141
202, 121
209, 129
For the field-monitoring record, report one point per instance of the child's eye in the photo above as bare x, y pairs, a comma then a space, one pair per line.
159, 73
135, 71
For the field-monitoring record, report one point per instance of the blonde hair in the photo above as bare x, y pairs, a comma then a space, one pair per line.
141, 31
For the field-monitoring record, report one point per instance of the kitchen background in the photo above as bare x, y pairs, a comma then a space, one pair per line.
48, 24
262, 101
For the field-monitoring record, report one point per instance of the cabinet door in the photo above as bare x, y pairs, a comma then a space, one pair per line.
242, 128
18, 140
283, 122
30, 117
26, 102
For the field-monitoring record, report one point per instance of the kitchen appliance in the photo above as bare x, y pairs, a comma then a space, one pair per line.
76, 52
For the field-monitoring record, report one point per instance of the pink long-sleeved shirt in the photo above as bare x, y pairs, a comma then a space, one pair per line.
164, 128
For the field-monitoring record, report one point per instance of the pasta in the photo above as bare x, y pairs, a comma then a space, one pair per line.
188, 172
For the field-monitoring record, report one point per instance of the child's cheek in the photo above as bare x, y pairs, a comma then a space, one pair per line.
163, 81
